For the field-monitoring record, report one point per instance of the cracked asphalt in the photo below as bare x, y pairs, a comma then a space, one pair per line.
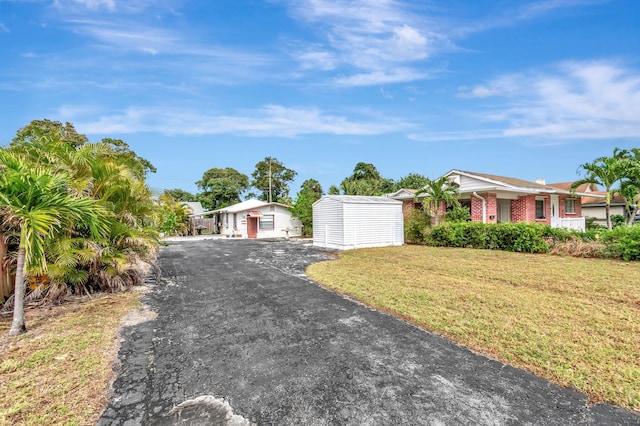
240, 325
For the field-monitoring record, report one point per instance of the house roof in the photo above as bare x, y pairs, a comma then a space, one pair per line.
598, 200
195, 207
363, 199
402, 194
585, 187
244, 206
509, 184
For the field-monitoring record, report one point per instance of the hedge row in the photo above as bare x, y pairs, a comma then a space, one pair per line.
621, 243
520, 237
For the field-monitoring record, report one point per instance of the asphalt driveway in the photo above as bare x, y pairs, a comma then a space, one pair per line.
242, 336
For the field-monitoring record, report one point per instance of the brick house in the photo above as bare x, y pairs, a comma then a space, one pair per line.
493, 199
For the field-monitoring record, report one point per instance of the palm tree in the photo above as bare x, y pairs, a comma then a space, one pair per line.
39, 205
604, 171
630, 184
434, 194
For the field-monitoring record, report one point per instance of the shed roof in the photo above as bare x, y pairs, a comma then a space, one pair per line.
360, 199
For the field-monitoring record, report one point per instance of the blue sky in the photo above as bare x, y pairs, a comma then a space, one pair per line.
526, 89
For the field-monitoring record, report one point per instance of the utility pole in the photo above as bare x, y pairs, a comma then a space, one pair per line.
269, 179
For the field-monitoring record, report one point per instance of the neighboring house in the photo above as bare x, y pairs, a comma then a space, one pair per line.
352, 221
256, 219
594, 203
596, 206
493, 199
195, 209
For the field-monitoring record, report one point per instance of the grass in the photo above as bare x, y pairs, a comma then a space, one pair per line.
59, 372
573, 321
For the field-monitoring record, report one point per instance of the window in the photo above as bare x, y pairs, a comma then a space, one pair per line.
539, 209
266, 222
570, 205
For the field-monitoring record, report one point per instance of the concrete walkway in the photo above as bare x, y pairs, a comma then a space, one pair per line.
243, 337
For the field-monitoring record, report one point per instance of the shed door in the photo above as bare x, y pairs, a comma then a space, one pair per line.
252, 227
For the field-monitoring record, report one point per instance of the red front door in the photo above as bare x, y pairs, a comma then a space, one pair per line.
252, 227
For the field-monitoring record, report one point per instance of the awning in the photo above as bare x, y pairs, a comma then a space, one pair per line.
254, 214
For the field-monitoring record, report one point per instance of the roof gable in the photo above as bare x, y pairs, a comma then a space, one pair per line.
402, 194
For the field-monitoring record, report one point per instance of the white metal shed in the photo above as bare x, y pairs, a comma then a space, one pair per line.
352, 221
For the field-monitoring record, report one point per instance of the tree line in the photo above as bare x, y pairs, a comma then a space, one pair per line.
222, 187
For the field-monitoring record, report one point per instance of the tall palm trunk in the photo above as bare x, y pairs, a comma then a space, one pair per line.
18, 326
607, 209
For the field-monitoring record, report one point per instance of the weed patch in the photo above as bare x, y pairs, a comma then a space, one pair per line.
59, 372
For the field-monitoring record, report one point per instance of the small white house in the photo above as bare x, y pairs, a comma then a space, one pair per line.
256, 219
352, 221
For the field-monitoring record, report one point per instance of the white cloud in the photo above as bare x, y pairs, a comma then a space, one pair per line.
376, 38
574, 100
400, 75
111, 6
268, 121
3, 28
316, 59
97, 4
514, 13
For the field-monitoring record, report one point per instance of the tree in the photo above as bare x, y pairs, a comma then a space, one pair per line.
107, 174
434, 194
40, 204
366, 180
310, 192
604, 171
141, 167
221, 187
37, 128
365, 171
630, 184
411, 181
174, 216
271, 178
179, 194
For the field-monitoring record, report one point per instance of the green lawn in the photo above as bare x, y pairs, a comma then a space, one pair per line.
573, 321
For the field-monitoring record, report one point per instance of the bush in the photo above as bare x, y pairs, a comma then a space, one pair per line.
519, 237
622, 242
590, 224
458, 214
415, 227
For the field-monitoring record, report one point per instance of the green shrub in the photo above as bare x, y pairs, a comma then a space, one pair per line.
622, 242
415, 227
590, 224
617, 220
520, 237
458, 214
